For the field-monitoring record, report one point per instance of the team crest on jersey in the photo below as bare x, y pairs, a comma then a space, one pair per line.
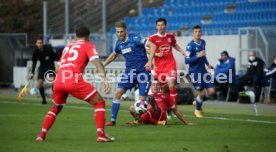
164, 48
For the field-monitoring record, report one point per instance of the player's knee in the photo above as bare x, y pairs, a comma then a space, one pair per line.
56, 109
95, 99
118, 94
211, 92
99, 105
131, 109
171, 87
171, 84
201, 94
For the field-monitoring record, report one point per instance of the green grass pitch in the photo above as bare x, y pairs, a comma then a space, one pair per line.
227, 127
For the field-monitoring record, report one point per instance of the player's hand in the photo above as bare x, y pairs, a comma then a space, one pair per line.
183, 53
31, 76
160, 55
201, 54
106, 87
148, 66
211, 67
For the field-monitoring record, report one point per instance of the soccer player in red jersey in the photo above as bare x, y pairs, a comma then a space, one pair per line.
165, 66
69, 80
158, 105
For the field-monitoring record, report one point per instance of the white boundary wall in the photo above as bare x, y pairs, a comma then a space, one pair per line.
214, 46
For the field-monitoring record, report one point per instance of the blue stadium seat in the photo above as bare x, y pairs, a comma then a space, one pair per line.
190, 12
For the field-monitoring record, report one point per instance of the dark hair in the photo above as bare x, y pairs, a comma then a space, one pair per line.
82, 31
156, 79
39, 38
224, 53
120, 24
196, 27
161, 20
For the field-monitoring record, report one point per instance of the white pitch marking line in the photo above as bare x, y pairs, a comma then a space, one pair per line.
216, 118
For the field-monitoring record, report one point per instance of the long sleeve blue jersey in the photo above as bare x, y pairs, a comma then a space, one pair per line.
196, 65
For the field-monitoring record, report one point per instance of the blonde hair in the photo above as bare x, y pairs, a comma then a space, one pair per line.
121, 24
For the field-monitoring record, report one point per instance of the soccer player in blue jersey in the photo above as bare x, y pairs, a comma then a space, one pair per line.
133, 50
196, 58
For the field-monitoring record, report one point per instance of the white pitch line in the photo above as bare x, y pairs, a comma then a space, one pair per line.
87, 108
241, 120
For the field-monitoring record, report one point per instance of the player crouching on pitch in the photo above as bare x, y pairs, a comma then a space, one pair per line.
158, 104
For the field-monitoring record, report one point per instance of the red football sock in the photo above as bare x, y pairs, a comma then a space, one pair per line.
100, 117
49, 121
173, 95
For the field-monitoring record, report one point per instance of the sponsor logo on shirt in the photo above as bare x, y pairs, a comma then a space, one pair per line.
126, 50
164, 48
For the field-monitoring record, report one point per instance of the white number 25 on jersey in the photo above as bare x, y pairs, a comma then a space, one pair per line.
73, 54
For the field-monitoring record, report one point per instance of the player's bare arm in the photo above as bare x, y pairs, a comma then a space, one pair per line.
201, 54
102, 74
155, 54
110, 59
152, 47
180, 116
179, 49
153, 104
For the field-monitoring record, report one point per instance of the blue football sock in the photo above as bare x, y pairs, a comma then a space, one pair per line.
198, 103
115, 109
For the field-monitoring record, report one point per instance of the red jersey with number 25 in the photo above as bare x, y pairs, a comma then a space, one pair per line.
164, 44
75, 57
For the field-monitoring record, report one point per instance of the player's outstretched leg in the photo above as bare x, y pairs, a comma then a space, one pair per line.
115, 106
198, 108
48, 122
173, 94
100, 122
114, 112
99, 107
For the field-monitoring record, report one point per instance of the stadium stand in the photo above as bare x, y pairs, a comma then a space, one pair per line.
87, 12
217, 17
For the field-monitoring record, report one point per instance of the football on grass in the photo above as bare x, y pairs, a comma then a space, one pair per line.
140, 107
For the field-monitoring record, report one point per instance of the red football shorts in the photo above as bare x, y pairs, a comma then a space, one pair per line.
149, 118
163, 75
81, 90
